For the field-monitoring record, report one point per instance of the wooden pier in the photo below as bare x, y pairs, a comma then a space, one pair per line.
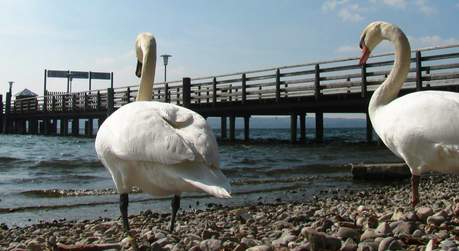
335, 86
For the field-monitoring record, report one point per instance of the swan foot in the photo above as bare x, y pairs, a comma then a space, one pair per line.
124, 203
414, 189
175, 204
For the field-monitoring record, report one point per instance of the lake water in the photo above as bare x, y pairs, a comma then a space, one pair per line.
45, 178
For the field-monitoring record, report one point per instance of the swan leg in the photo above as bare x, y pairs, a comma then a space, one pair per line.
175, 204
124, 202
414, 186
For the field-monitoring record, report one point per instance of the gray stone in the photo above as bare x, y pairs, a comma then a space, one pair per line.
423, 213
436, 220
260, 248
321, 241
418, 233
367, 246
368, 234
210, 245
283, 240
349, 245
383, 229
404, 228
389, 243
447, 244
240, 247
347, 232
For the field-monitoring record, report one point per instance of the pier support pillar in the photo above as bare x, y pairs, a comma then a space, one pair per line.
223, 128
369, 129
33, 126
64, 130
232, 128
54, 127
75, 127
100, 122
293, 127
319, 127
247, 128
90, 127
46, 126
302, 127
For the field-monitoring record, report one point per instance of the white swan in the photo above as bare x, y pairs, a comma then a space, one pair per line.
161, 148
422, 128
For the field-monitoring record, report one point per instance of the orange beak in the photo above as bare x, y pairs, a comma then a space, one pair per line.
365, 55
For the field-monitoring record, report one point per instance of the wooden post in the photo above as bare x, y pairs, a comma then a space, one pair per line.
75, 127
74, 104
64, 102
244, 86
86, 102
100, 121
418, 71
232, 128
44, 82
302, 127
46, 126
186, 92
64, 127
90, 127
110, 103
317, 82
223, 128
7, 119
293, 126
167, 99
98, 101
128, 95
111, 80
369, 128
364, 81
278, 83
86, 128
246, 128
53, 103
214, 91
319, 127
2, 115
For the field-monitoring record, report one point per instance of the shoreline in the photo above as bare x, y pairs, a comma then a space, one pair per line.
372, 218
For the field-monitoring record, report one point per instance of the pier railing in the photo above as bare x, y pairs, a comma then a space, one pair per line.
430, 67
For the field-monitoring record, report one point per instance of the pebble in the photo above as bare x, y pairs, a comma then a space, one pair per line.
210, 245
379, 217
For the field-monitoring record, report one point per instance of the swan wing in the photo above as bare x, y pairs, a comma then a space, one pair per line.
160, 133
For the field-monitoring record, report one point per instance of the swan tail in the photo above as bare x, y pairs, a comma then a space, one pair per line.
216, 191
206, 179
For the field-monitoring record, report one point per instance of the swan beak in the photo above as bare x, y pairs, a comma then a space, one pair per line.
365, 55
138, 69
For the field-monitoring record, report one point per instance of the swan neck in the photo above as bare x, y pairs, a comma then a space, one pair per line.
390, 88
148, 76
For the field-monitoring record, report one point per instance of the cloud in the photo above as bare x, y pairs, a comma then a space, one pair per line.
432, 40
345, 9
425, 7
401, 4
351, 13
330, 5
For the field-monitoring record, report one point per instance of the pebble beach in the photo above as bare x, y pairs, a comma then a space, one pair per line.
378, 218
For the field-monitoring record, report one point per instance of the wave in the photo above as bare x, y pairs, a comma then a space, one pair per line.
302, 169
75, 163
195, 196
72, 178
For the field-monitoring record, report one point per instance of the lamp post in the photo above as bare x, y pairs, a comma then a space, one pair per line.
11, 85
165, 60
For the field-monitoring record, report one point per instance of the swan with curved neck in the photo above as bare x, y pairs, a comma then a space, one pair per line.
161, 148
421, 127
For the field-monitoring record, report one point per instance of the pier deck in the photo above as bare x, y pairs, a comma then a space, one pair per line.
335, 86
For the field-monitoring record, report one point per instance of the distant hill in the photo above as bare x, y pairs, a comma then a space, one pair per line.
284, 122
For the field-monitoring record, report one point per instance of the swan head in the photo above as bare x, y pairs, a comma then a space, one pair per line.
373, 34
144, 44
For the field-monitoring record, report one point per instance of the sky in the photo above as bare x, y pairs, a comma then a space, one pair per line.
204, 37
